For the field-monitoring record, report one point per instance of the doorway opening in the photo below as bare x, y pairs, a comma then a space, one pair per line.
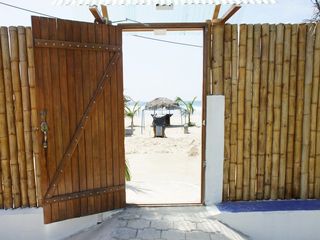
163, 69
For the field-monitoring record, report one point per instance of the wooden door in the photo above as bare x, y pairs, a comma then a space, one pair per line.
79, 89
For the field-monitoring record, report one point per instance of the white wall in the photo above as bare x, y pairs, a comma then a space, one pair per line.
277, 225
214, 149
28, 224
274, 225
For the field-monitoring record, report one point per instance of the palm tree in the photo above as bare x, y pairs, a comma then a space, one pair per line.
187, 107
132, 111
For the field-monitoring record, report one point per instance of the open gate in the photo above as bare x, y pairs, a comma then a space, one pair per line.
80, 100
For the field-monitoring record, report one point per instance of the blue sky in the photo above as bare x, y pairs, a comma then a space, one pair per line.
153, 69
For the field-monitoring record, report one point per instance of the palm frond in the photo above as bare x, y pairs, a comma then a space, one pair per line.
192, 102
180, 101
127, 172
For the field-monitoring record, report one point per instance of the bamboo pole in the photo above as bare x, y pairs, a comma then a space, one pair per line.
3, 126
284, 111
247, 122
277, 112
16, 86
299, 110
227, 118
292, 109
217, 59
314, 119
263, 109
10, 119
1, 191
255, 110
26, 116
234, 110
269, 130
307, 113
4, 143
34, 114
316, 76
241, 89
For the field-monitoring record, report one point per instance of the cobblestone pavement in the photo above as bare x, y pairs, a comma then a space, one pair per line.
166, 223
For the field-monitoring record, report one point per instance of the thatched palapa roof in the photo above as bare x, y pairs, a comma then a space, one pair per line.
162, 102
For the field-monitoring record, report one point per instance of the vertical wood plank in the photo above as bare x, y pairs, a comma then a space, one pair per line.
95, 127
91, 149
299, 110
121, 120
234, 111
307, 113
292, 109
241, 89
51, 153
87, 167
227, 115
115, 123
247, 124
98, 126
263, 109
277, 112
37, 101
269, 130
206, 42
14, 167
284, 111
79, 91
217, 59
102, 123
73, 181
52, 87
108, 124
255, 110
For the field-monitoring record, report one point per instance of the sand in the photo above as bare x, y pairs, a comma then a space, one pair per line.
164, 170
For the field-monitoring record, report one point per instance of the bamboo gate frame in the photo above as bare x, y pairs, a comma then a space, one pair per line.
269, 75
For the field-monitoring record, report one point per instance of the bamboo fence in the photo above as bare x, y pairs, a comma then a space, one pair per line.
17, 155
269, 75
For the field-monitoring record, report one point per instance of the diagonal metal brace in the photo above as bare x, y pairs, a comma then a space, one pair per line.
81, 125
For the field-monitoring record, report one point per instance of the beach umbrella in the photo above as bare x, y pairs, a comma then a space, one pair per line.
162, 102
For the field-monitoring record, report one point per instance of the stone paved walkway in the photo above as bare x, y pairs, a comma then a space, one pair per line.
166, 223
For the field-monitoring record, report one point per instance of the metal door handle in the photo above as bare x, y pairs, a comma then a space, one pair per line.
44, 128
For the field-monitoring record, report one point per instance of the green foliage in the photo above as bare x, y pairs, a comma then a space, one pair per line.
131, 111
127, 173
187, 107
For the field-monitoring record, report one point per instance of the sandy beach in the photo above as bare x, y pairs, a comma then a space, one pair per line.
164, 170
